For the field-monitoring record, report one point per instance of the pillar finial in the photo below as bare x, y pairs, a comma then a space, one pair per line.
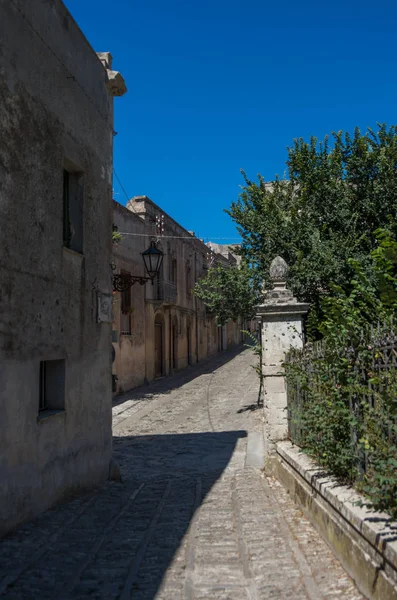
278, 270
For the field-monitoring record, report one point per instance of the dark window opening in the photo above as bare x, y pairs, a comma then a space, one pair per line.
52, 385
73, 210
188, 280
173, 270
125, 317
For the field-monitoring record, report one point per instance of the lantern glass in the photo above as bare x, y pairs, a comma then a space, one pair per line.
153, 258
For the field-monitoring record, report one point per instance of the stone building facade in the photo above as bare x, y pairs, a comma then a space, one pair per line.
56, 154
162, 328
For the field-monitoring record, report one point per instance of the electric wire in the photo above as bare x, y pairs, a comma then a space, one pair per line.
123, 190
178, 237
174, 237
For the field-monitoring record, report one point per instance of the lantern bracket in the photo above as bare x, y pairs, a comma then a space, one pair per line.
122, 282
152, 259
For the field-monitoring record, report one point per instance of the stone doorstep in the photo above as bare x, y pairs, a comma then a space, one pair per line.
363, 540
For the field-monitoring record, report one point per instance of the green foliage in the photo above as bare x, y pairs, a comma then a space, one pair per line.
323, 216
342, 392
116, 236
229, 292
371, 295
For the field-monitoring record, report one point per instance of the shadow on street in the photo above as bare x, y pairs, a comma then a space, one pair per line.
120, 541
177, 471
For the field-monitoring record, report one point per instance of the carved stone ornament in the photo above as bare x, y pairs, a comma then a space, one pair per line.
115, 83
278, 270
104, 308
279, 300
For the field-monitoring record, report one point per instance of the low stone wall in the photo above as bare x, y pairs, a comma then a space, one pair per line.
364, 541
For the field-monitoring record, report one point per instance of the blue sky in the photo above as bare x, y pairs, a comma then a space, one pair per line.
215, 86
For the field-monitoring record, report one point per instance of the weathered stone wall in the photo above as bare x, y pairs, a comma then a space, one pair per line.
47, 292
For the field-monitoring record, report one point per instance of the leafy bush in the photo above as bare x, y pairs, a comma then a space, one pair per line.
342, 392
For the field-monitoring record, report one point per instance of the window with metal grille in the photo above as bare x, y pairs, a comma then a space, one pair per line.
52, 385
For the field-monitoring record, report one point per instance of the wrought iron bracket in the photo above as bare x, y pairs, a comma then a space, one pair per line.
122, 282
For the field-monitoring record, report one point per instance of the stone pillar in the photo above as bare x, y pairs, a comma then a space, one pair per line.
281, 318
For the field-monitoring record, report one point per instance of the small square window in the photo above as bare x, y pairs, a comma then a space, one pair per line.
52, 385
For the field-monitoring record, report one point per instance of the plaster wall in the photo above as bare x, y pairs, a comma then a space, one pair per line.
47, 292
189, 334
130, 362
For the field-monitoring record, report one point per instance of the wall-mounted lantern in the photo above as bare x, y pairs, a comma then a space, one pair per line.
152, 259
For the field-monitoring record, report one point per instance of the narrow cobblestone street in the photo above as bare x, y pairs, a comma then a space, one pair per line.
194, 517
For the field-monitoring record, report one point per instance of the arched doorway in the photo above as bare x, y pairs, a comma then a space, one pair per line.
159, 346
175, 343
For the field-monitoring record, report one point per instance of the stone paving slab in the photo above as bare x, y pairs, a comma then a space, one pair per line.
194, 517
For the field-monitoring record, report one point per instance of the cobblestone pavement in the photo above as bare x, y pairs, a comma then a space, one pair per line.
192, 520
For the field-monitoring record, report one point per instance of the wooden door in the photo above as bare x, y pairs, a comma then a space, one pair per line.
158, 349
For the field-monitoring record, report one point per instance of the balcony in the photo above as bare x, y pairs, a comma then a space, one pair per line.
165, 291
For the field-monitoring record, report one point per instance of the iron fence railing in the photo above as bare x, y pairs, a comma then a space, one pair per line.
297, 390
362, 376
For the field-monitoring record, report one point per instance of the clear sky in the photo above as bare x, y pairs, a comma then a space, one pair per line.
219, 85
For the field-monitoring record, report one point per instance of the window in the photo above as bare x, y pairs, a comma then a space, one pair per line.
43, 394
52, 385
188, 280
73, 210
125, 317
169, 262
173, 270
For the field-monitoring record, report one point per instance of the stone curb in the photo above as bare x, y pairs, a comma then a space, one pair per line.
363, 540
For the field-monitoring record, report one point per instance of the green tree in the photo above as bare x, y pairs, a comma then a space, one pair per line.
371, 298
324, 213
229, 292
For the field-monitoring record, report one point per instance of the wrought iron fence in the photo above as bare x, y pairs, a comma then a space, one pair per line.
362, 377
